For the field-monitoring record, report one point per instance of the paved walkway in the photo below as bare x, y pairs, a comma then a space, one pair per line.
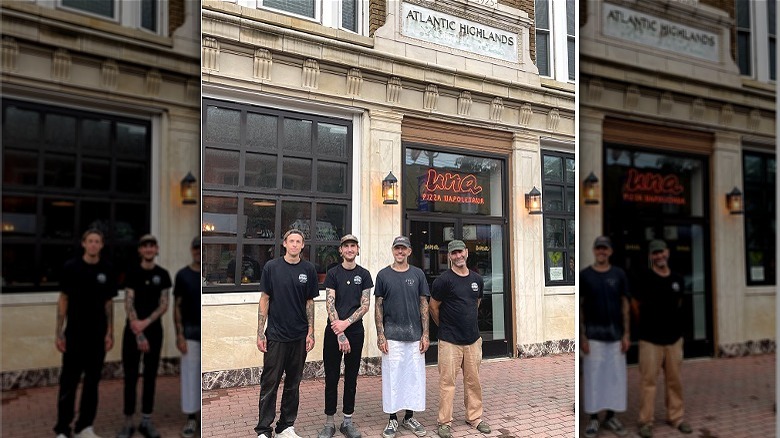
522, 398
724, 398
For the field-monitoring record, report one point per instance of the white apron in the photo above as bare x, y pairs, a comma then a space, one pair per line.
403, 377
604, 378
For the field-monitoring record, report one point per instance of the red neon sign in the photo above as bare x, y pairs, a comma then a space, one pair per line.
464, 187
653, 187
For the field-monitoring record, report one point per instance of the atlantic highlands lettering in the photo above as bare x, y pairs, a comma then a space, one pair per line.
659, 33
457, 33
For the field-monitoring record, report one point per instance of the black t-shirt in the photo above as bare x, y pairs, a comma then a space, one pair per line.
458, 310
187, 287
88, 287
660, 308
349, 285
148, 285
601, 301
400, 293
288, 286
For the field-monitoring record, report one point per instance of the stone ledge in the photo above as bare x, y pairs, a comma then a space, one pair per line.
747, 348
547, 348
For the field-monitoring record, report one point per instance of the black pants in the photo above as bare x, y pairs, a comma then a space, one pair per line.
287, 358
131, 357
331, 359
81, 356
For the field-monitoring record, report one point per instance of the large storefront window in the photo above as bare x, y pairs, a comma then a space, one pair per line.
265, 172
760, 224
558, 206
65, 171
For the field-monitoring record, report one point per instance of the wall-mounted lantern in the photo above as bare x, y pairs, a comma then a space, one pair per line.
390, 189
734, 201
533, 201
188, 190
590, 189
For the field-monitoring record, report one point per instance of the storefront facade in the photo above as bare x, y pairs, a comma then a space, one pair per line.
670, 124
100, 124
303, 121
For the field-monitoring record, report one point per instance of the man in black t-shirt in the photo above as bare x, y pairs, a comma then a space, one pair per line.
85, 304
455, 298
186, 318
659, 305
146, 300
401, 316
604, 339
348, 287
288, 287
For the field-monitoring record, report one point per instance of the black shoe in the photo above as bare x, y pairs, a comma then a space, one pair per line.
328, 431
146, 428
125, 432
349, 430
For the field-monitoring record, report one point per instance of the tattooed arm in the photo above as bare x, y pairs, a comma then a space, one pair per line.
339, 326
381, 342
310, 318
132, 317
62, 313
109, 341
424, 341
262, 316
181, 341
336, 324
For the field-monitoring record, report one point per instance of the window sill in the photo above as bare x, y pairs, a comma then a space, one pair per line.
557, 85
560, 290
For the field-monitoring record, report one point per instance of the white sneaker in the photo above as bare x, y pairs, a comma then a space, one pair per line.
61, 435
262, 435
288, 433
87, 432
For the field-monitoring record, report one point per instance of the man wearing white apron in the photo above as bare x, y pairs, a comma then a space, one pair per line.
604, 339
402, 335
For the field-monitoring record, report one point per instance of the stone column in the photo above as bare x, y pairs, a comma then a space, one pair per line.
591, 149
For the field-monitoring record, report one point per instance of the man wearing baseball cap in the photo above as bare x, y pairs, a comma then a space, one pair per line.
402, 336
659, 303
146, 300
455, 298
348, 288
604, 339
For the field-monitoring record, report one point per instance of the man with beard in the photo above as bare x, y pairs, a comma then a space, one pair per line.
146, 301
288, 287
402, 337
659, 305
85, 303
348, 287
604, 339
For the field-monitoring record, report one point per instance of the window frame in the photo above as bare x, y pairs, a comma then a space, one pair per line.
558, 37
568, 248
759, 38
241, 192
768, 190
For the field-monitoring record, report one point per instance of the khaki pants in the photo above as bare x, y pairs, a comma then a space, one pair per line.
652, 358
451, 359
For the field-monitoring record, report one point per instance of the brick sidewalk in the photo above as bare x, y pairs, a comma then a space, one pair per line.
522, 398
724, 398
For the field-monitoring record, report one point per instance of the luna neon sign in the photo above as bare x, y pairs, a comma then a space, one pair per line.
652, 187
460, 189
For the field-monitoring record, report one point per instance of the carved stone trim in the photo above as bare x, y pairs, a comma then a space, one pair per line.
754, 120
61, 63
211, 53
665, 103
354, 82
310, 76
632, 97
553, 117
109, 74
726, 114
464, 103
263, 62
496, 107
697, 109
431, 97
10, 54
595, 90
394, 88
525, 114
153, 81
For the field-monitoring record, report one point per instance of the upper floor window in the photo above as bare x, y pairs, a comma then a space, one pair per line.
65, 171
558, 205
338, 14
759, 170
756, 39
556, 39
140, 14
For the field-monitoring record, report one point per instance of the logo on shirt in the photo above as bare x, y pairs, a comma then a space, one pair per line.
303, 278
474, 287
410, 281
357, 279
612, 282
676, 286
101, 278
156, 280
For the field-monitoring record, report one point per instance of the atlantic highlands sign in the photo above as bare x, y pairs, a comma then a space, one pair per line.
659, 33
457, 33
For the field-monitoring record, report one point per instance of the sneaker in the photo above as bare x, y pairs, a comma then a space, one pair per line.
87, 432
328, 431
61, 435
414, 425
391, 429
444, 431
262, 435
593, 428
288, 433
646, 431
616, 426
684, 427
125, 432
350, 430
483, 427
189, 428
147, 429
